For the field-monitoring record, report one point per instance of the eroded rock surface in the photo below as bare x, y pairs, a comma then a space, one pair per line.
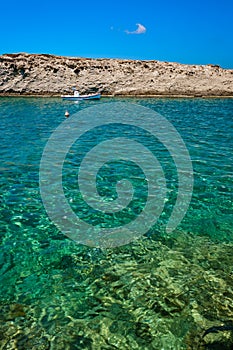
54, 75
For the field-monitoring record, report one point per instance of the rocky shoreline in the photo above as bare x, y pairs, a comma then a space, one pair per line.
49, 75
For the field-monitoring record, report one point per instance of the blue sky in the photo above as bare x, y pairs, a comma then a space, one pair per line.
193, 32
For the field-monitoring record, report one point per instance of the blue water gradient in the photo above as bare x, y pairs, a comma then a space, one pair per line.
47, 279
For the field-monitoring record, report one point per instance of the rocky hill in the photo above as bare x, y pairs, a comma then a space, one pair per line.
28, 74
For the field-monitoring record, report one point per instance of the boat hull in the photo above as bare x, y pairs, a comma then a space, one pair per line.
81, 97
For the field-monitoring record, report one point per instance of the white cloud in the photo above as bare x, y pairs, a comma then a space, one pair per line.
140, 30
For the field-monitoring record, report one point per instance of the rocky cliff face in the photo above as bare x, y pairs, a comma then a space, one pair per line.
27, 74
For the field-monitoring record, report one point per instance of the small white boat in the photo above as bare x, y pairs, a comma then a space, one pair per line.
77, 97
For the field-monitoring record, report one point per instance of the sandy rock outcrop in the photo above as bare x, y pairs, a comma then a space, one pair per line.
42, 74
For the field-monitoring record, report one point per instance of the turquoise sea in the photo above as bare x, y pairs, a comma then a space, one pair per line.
162, 291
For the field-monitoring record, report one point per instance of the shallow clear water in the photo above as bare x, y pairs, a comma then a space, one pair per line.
159, 292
